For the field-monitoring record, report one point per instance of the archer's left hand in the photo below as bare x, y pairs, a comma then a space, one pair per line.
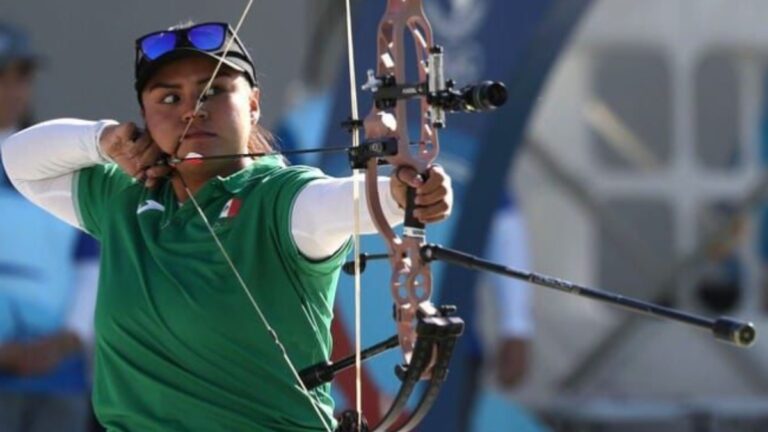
512, 361
37, 357
434, 196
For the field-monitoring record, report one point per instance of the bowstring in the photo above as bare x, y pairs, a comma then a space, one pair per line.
198, 106
356, 218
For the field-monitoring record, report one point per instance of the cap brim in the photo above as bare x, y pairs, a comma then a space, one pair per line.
180, 53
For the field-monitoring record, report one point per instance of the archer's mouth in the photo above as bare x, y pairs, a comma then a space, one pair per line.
199, 135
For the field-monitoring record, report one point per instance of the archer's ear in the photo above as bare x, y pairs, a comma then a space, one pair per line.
255, 104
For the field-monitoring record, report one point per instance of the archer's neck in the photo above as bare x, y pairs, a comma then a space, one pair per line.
195, 177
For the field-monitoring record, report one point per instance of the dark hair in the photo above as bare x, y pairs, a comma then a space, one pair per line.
261, 140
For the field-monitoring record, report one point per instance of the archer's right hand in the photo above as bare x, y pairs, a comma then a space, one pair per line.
135, 152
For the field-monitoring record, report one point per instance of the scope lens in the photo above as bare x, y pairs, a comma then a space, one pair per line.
487, 95
497, 94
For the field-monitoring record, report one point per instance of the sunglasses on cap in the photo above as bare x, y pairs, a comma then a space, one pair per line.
210, 39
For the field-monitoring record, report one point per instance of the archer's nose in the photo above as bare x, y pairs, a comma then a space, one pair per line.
196, 112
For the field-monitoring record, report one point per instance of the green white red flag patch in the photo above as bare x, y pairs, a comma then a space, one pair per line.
231, 208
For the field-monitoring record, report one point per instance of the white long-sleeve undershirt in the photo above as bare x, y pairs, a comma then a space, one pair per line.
41, 162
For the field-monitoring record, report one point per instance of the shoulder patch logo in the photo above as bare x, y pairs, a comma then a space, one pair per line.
149, 205
231, 208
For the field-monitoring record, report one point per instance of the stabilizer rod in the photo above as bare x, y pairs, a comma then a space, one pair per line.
736, 332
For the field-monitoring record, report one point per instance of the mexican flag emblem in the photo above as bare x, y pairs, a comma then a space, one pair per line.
231, 208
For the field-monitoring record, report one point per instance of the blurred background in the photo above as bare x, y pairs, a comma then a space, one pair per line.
631, 157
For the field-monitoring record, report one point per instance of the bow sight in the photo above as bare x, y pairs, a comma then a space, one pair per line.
440, 94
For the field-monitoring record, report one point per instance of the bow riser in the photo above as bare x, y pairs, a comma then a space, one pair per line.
411, 279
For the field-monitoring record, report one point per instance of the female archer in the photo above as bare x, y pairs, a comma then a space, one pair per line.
218, 271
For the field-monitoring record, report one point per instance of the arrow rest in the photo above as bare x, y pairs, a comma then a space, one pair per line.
378, 149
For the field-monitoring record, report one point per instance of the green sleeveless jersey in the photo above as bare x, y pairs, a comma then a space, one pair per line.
179, 346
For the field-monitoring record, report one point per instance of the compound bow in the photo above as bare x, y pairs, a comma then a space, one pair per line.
426, 334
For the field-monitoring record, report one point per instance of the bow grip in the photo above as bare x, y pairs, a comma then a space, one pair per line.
413, 227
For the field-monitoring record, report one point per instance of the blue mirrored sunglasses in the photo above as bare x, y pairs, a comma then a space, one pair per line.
206, 37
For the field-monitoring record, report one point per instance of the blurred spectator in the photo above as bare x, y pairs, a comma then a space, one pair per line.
48, 276
509, 246
513, 328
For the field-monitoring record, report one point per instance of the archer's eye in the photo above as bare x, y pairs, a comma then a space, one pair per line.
169, 99
212, 91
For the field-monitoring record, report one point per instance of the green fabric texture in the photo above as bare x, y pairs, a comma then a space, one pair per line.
179, 346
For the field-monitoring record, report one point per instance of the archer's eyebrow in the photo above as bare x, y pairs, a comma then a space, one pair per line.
171, 86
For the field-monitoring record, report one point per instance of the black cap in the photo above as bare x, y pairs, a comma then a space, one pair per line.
15, 46
236, 58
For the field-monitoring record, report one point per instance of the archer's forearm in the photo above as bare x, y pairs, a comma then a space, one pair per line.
322, 219
41, 162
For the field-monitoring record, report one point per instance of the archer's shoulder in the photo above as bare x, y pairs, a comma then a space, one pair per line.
294, 173
275, 176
